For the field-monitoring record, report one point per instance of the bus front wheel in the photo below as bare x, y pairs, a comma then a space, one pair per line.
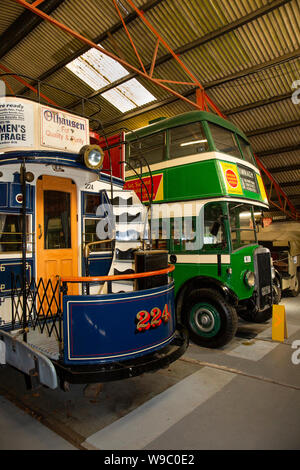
211, 321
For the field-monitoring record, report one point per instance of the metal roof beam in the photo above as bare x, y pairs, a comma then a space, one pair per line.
258, 104
286, 184
102, 37
275, 128
278, 151
280, 169
199, 42
23, 25
207, 86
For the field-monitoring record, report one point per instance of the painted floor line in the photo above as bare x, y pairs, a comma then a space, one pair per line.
239, 372
149, 421
24, 432
253, 351
267, 334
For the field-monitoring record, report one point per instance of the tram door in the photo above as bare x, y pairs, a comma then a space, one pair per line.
56, 229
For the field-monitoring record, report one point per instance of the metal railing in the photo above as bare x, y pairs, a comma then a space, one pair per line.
43, 306
44, 300
117, 277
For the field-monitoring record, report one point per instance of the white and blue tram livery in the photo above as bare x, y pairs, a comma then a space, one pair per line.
74, 307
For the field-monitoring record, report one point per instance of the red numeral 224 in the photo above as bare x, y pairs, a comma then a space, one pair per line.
153, 319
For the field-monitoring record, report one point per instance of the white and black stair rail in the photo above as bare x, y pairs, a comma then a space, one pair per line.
129, 225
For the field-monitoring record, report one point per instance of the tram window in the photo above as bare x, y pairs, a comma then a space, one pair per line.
91, 203
187, 140
11, 232
224, 140
214, 229
246, 150
90, 236
152, 148
57, 226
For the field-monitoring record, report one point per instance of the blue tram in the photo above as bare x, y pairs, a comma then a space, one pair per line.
82, 298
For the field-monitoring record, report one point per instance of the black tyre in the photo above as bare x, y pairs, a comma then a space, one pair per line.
211, 321
255, 316
295, 292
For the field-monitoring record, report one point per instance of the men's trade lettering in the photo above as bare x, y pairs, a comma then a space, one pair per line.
16, 124
11, 132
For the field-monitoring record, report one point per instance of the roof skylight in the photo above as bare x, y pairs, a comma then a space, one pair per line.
128, 96
98, 70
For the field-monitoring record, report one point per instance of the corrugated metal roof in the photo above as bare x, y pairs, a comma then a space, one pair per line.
9, 12
283, 159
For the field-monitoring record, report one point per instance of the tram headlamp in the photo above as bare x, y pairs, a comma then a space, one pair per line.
29, 177
249, 278
92, 156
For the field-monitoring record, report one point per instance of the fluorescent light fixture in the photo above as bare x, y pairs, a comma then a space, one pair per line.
245, 214
98, 70
193, 142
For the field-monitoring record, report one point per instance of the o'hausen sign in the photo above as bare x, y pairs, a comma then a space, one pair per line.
62, 130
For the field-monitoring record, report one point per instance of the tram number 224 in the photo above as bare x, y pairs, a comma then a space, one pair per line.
146, 320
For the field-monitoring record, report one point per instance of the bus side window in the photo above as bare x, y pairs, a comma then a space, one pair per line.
187, 233
152, 148
214, 230
187, 140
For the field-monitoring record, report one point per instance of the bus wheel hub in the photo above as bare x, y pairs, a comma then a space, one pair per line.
205, 320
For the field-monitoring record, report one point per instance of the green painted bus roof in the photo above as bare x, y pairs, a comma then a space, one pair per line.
181, 119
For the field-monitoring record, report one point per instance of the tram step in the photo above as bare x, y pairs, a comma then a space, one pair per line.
122, 287
121, 201
125, 254
123, 264
125, 218
128, 235
127, 271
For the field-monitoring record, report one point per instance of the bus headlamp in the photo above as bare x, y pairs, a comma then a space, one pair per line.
273, 272
92, 156
249, 279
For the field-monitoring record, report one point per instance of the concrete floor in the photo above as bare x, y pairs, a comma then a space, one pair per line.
245, 395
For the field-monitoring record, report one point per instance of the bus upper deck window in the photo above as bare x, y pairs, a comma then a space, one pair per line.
224, 140
187, 140
152, 148
246, 149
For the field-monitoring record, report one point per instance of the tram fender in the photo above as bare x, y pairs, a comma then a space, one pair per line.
26, 359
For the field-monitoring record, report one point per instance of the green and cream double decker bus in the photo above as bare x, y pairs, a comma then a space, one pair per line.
208, 198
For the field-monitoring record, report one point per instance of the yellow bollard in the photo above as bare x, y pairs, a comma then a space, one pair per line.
279, 326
